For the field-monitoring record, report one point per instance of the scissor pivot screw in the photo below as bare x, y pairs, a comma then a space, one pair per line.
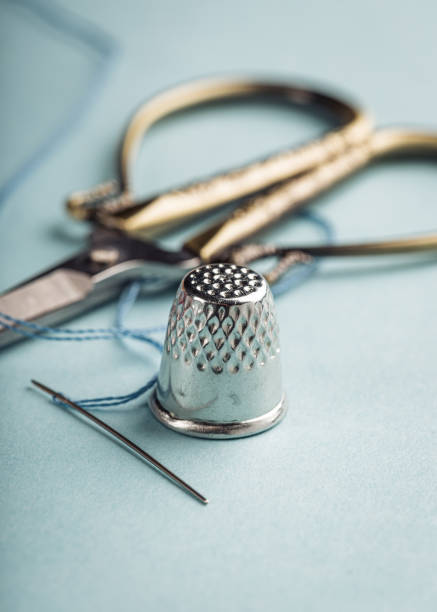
107, 255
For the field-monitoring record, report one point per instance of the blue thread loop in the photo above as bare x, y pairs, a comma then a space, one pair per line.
127, 299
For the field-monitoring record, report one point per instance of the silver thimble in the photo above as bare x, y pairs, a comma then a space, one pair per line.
220, 374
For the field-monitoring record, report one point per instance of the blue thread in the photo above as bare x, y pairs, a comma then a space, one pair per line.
103, 403
77, 27
42, 332
117, 400
291, 280
298, 275
126, 301
81, 30
128, 297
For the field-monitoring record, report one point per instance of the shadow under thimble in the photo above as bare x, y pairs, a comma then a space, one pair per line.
220, 374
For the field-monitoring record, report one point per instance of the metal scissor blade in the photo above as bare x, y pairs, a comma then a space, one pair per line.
88, 279
55, 290
49, 299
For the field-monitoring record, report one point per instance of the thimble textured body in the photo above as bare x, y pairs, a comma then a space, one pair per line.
220, 373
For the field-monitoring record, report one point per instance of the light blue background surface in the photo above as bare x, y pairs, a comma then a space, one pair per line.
336, 508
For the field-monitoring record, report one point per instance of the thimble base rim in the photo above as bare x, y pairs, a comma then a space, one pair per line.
219, 431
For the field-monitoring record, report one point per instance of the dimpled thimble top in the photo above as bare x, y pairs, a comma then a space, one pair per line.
226, 283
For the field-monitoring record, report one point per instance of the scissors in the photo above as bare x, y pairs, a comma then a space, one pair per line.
120, 247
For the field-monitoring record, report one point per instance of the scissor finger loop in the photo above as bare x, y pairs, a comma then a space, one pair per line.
278, 185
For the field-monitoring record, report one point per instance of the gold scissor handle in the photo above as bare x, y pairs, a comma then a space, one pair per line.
115, 205
290, 256
266, 209
293, 177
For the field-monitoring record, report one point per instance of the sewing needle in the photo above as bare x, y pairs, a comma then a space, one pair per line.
139, 451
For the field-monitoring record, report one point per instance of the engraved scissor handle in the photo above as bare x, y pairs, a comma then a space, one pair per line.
282, 183
268, 208
114, 204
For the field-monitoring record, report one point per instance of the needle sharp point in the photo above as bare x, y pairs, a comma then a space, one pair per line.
139, 451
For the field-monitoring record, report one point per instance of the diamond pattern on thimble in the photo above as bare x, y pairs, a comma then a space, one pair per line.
223, 337
220, 374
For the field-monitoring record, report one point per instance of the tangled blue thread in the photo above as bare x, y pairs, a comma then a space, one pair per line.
33, 330
125, 303
77, 28
291, 280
